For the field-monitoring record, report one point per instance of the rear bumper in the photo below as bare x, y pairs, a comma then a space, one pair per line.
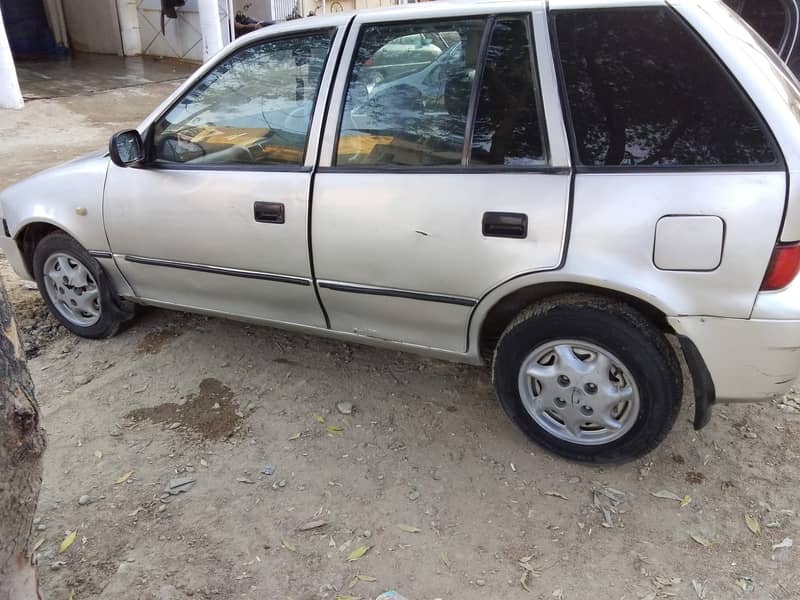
9, 247
748, 359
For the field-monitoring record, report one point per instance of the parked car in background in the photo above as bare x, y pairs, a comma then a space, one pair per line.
778, 22
588, 196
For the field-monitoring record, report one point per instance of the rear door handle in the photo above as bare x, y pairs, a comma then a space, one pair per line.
269, 212
504, 224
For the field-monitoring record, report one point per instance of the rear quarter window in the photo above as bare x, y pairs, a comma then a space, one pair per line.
643, 90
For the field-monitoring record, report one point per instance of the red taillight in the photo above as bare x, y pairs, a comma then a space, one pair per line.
783, 267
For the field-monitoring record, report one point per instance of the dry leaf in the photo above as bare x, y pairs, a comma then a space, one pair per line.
523, 581
295, 436
753, 525
98, 454
445, 559
701, 540
319, 418
68, 541
38, 544
71, 595
746, 583
687, 499
335, 429
347, 597
358, 553
698, 589
556, 495
666, 495
124, 478
286, 545
408, 528
360, 578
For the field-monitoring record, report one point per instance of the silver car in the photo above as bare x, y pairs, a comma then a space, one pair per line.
596, 191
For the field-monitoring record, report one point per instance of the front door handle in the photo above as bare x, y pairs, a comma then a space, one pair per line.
504, 224
269, 212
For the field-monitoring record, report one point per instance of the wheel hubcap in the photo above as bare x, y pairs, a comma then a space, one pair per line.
579, 392
72, 289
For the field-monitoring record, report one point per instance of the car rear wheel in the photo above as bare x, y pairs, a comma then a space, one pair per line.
76, 289
589, 379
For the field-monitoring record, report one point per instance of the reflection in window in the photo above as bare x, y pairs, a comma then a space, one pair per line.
253, 108
408, 94
767, 17
507, 124
643, 90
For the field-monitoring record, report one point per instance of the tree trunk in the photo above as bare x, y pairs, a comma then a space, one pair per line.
22, 442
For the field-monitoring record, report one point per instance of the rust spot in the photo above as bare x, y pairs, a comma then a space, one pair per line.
210, 412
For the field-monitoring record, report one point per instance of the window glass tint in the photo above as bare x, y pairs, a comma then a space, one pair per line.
767, 17
254, 108
642, 90
408, 94
507, 123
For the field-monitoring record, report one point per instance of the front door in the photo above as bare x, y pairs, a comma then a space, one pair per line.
440, 180
217, 220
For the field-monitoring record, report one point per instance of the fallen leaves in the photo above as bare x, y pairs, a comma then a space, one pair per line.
606, 500
753, 525
295, 436
667, 495
361, 578
555, 495
319, 419
358, 553
335, 429
68, 541
124, 478
706, 543
408, 528
288, 546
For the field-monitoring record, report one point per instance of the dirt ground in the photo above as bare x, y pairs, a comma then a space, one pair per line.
426, 447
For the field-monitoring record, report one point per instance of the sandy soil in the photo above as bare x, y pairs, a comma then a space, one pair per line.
426, 447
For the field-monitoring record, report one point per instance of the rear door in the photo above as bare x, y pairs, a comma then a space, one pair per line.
444, 172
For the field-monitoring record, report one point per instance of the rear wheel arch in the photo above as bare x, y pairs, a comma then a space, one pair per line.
506, 309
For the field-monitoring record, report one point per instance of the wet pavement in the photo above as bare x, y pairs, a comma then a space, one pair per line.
82, 74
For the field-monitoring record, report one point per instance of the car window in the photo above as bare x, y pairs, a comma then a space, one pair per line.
408, 94
253, 108
507, 130
643, 90
767, 17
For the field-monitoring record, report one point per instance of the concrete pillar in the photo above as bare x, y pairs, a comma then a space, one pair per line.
210, 27
129, 27
10, 94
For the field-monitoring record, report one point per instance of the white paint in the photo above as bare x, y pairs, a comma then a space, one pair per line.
182, 36
93, 26
210, 27
10, 94
129, 27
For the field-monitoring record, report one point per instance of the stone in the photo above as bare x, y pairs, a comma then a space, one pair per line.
346, 408
81, 379
84, 500
162, 508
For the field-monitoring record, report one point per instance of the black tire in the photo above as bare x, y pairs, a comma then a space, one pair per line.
113, 311
623, 332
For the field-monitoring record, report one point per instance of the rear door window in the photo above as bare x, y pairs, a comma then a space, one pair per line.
507, 124
768, 17
409, 93
644, 90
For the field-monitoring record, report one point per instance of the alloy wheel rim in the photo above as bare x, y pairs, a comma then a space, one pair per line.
579, 392
72, 289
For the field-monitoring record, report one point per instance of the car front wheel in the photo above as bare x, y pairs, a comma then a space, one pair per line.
589, 379
75, 288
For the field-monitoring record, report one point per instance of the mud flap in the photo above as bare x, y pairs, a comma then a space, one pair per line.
704, 393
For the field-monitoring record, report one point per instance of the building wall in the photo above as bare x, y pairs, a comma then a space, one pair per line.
93, 26
182, 37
